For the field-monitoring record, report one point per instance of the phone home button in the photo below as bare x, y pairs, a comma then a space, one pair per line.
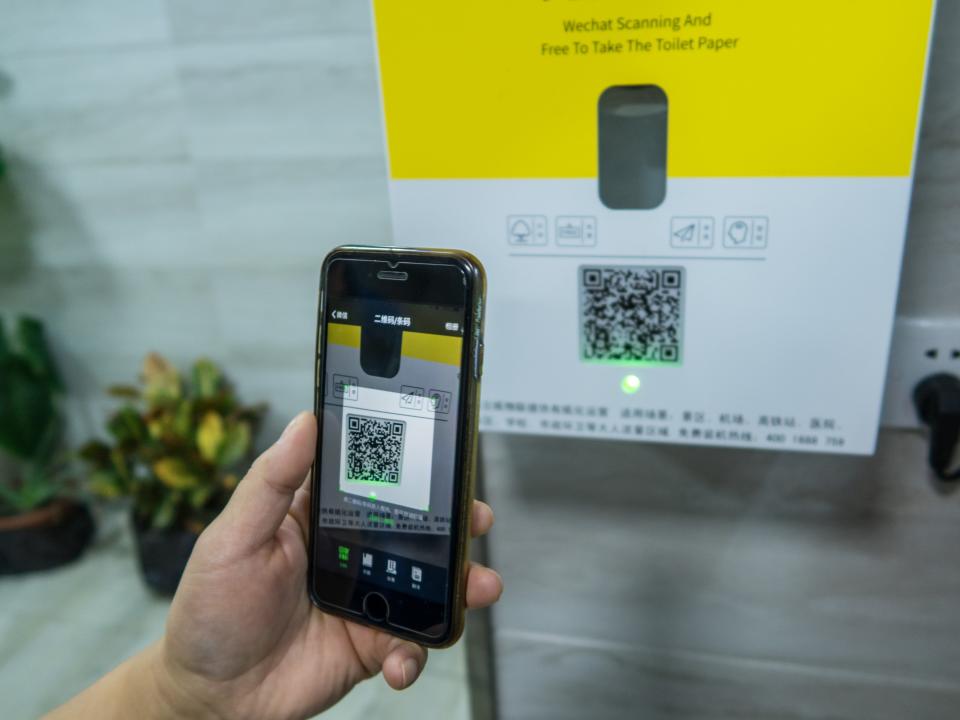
376, 607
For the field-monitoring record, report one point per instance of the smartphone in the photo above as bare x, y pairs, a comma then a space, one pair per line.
399, 357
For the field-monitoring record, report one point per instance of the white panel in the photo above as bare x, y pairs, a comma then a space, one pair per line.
791, 333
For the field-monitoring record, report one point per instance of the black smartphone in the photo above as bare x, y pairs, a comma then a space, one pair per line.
399, 357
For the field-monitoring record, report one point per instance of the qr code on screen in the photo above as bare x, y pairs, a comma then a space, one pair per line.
374, 449
631, 314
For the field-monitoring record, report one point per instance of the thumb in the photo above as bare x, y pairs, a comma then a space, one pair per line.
400, 661
263, 497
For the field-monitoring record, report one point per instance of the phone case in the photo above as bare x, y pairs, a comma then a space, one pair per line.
468, 433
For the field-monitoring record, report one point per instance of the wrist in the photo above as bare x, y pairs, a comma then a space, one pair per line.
174, 692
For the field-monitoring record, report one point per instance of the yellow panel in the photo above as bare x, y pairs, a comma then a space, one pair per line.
435, 348
812, 88
340, 334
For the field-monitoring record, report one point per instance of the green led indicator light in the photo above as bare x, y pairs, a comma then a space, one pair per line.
630, 384
344, 553
373, 496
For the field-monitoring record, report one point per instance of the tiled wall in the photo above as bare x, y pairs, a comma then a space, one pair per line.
177, 171
930, 284
179, 168
651, 582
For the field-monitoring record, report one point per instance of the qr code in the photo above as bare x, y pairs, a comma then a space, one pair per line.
374, 450
631, 314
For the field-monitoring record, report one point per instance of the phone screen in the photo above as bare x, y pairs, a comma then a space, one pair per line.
388, 460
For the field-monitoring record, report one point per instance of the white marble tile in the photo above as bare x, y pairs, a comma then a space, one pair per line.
104, 320
100, 106
313, 96
269, 314
51, 25
121, 215
205, 20
290, 211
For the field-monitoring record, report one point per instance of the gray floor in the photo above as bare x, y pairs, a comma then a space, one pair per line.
62, 629
659, 582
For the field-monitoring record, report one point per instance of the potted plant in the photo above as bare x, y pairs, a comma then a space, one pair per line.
176, 452
41, 524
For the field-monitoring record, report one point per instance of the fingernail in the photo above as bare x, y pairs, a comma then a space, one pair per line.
410, 670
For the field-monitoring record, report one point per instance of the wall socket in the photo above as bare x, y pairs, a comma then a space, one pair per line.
921, 347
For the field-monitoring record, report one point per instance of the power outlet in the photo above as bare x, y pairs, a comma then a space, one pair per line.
921, 347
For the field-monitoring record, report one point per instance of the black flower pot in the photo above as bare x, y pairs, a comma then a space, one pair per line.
45, 538
163, 555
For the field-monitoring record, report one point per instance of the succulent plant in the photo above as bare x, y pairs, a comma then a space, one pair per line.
177, 445
31, 423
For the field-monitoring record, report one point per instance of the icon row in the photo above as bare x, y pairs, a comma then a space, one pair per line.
413, 398
346, 387
739, 232
366, 560
569, 230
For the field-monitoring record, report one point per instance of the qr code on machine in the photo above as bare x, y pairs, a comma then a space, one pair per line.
631, 314
374, 449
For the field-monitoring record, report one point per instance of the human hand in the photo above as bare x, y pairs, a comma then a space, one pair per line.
243, 638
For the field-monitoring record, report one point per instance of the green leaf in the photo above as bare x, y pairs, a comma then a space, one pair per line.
165, 513
175, 474
119, 462
206, 378
50, 441
210, 436
10, 498
95, 452
35, 351
253, 413
26, 409
183, 419
106, 484
200, 495
126, 425
125, 392
161, 380
235, 445
35, 487
4, 342
39, 486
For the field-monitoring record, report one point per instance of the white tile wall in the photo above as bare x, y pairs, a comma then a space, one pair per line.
313, 96
127, 215
49, 26
95, 107
930, 284
289, 211
196, 21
